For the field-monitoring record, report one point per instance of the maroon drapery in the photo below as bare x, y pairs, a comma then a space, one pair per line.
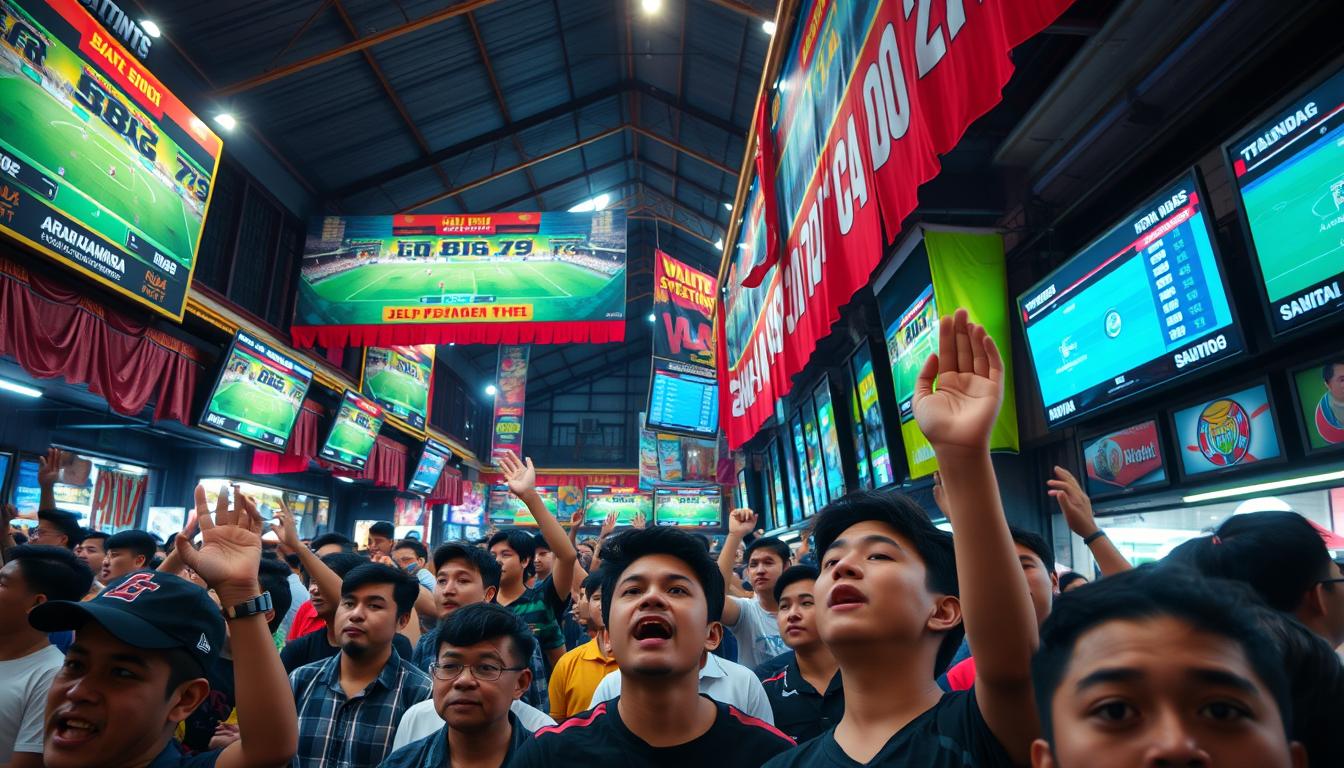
54, 331
448, 490
386, 466
301, 448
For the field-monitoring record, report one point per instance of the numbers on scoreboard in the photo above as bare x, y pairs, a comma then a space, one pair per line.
450, 248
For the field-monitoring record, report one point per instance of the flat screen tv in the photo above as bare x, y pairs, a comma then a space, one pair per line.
683, 403
1143, 305
829, 434
602, 500
354, 432
1121, 461
1318, 390
427, 471
257, 394
1228, 432
688, 507
506, 509
870, 415
397, 378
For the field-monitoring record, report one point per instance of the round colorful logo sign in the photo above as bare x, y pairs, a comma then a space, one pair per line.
1224, 432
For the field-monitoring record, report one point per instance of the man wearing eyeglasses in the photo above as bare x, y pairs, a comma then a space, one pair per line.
481, 668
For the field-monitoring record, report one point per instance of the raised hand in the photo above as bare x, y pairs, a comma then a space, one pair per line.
230, 548
959, 414
741, 522
608, 525
1073, 502
638, 522
576, 519
522, 478
49, 467
285, 528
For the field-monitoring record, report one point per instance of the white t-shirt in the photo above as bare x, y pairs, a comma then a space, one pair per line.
422, 719
720, 680
23, 700
757, 633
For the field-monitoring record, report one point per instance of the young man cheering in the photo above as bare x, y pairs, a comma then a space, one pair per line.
806, 695
752, 620
480, 671
895, 589
661, 600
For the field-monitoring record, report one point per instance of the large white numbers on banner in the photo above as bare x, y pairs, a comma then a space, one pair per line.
886, 99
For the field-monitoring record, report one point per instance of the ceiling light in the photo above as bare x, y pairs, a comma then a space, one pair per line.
769, 27
226, 121
150, 28
19, 389
345, 479
452, 343
728, 207
490, 390
652, 319
1273, 485
594, 204
230, 442
651, 6
719, 243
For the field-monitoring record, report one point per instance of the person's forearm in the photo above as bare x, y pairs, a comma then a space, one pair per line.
562, 574
47, 496
726, 557
328, 583
267, 722
1108, 556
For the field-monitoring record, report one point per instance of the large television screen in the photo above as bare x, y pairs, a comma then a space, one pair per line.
472, 509
1319, 391
427, 471
107, 171
777, 501
354, 432
1228, 431
912, 336
688, 507
506, 509
1142, 305
870, 411
1289, 172
1124, 460
683, 403
829, 435
397, 378
602, 500
258, 394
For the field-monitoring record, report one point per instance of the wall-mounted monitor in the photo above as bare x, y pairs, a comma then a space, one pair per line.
433, 459
804, 501
354, 432
506, 509
1143, 305
870, 414
257, 394
603, 500
472, 509
1318, 390
829, 434
1125, 460
1289, 174
397, 378
1227, 432
688, 507
816, 464
683, 403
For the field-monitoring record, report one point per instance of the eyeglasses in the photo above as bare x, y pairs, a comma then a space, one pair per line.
1330, 581
484, 672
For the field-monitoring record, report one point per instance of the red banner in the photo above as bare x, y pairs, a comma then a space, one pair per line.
918, 81
683, 308
510, 395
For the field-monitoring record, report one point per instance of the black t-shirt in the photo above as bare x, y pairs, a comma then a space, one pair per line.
952, 734
199, 727
800, 710
599, 737
314, 647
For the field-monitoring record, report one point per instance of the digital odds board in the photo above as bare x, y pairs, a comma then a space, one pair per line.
683, 403
257, 395
1142, 305
354, 432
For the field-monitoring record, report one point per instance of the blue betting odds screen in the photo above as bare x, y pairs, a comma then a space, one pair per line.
1140, 306
682, 402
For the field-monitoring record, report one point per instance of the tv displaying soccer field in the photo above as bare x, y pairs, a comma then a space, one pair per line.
603, 500
912, 336
1124, 460
354, 432
1289, 171
816, 465
870, 411
1141, 306
366, 273
257, 395
1230, 431
397, 378
427, 471
688, 507
506, 509
104, 169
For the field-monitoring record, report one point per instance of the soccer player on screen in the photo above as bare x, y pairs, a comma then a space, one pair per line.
1330, 409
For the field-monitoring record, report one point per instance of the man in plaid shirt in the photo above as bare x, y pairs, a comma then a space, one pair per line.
349, 705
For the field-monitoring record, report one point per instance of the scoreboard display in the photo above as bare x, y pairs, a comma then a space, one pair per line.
1142, 305
1289, 171
688, 507
397, 378
603, 500
683, 403
101, 167
258, 394
354, 432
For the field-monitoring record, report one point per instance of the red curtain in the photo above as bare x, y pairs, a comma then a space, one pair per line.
386, 466
448, 490
53, 331
116, 498
301, 449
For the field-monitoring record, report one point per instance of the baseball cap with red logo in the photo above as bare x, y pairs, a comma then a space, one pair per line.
145, 609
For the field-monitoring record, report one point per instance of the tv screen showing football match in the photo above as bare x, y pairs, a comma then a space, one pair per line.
257, 395
507, 509
1289, 170
354, 432
1124, 460
1142, 305
688, 507
603, 500
106, 171
397, 378
1229, 431
427, 471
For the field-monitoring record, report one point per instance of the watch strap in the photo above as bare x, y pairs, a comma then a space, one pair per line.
259, 604
1097, 534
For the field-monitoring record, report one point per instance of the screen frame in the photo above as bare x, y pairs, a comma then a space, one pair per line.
1242, 384
214, 389
1304, 435
637, 492
650, 424
1163, 450
1235, 327
388, 415
429, 445
336, 420
1333, 68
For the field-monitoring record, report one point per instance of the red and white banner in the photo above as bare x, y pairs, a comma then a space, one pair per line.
510, 396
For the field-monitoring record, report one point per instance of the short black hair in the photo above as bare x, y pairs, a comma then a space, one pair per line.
404, 586
1278, 553
539, 542
292, 560
1070, 577
382, 528
342, 563
65, 522
102, 536
522, 543
902, 513
1328, 371
769, 544
274, 578
484, 563
477, 622
1316, 683
1214, 606
52, 571
413, 545
137, 541
332, 538
1036, 543
792, 575
592, 582
623, 550
182, 666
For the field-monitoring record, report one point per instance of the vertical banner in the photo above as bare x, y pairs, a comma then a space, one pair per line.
510, 393
683, 395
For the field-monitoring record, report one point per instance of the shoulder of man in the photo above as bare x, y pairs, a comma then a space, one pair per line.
767, 736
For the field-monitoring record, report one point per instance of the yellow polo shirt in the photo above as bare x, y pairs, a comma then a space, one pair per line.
575, 678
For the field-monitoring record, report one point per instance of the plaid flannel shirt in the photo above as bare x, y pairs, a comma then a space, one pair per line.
340, 732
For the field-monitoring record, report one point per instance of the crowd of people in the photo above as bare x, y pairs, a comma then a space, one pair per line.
881, 641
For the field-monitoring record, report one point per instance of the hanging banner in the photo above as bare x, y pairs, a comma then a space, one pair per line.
869, 96
510, 393
480, 278
684, 394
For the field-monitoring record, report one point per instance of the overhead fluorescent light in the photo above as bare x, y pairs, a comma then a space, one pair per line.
651, 6
769, 27
226, 121
345, 479
490, 390
728, 207
150, 28
595, 204
719, 243
19, 389
1273, 485
230, 442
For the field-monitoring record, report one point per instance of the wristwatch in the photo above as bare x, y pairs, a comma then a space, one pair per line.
259, 604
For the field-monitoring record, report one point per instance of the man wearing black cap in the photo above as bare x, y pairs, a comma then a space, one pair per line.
138, 664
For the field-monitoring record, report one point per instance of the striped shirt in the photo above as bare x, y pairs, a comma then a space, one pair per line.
340, 732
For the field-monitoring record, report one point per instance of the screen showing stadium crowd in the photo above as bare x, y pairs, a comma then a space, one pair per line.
878, 639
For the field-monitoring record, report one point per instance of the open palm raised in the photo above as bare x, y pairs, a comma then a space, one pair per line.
960, 413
